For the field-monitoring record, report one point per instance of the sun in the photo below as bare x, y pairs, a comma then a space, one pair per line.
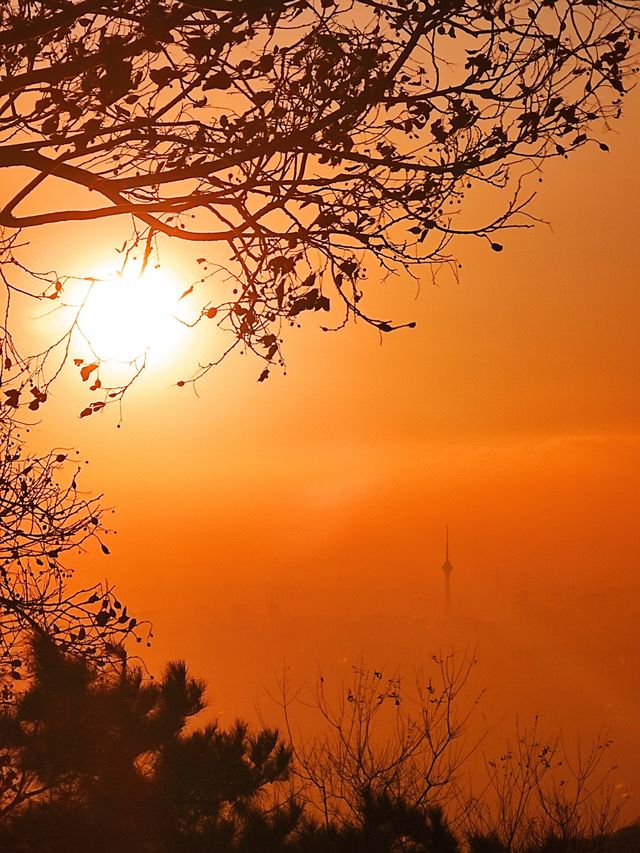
127, 316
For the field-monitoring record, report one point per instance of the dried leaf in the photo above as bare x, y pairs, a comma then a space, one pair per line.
87, 370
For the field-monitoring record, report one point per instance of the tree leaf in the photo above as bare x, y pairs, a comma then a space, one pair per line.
87, 370
219, 80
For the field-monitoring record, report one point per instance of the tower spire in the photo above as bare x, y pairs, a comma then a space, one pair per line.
447, 568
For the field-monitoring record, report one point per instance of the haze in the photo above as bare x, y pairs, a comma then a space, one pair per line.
299, 523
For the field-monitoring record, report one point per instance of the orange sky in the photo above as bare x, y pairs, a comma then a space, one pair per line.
302, 519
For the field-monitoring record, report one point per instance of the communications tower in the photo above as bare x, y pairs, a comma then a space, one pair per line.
447, 568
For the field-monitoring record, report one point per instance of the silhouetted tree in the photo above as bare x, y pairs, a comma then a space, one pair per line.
210, 782
306, 138
384, 755
540, 798
75, 737
387, 769
107, 764
44, 519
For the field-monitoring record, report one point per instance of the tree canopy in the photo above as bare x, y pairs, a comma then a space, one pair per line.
298, 144
102, 760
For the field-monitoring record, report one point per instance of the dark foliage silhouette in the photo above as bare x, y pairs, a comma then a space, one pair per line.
106, 764
386, 824
108, 760
308, 139
388, 767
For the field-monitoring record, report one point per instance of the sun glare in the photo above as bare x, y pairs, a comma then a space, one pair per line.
129, 316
